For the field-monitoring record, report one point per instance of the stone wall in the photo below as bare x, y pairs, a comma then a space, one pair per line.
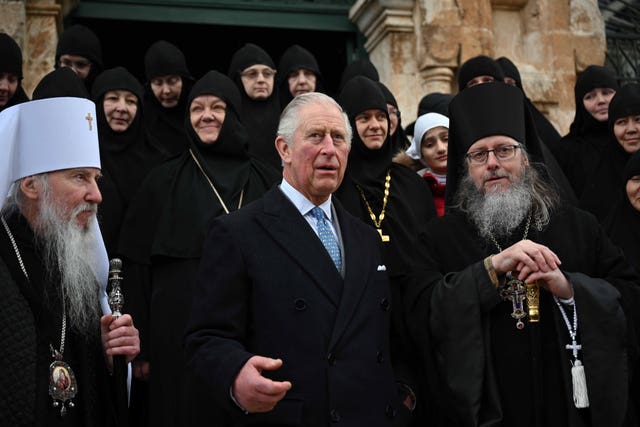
419, 45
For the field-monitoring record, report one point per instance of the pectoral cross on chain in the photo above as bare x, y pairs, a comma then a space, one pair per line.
89, 119
574, 347
515, 291
383, 237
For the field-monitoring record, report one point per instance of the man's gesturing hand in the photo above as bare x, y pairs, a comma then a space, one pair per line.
254, 392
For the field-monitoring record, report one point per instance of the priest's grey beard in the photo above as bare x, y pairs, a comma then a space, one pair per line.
499, 213
67, 251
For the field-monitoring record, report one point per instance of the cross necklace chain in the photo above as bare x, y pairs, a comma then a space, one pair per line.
63, 386
517, 291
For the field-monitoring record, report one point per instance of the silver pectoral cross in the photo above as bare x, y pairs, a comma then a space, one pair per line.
574, 347
515, 291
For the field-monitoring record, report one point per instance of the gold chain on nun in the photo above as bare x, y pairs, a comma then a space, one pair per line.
377, 221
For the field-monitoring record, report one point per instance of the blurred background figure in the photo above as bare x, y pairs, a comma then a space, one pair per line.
11, 91
253, 71
79, 49
298, 73
165, 97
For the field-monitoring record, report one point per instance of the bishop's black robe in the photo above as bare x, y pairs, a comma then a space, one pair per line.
485, 372
30, 320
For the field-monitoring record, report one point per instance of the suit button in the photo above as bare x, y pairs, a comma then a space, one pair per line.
300, 304
390, 411
385, 304
380, 357
331, 358
335, 416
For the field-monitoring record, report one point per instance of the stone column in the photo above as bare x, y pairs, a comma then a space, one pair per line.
390, 29
43, 22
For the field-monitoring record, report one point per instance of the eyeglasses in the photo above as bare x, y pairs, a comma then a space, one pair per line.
267, 73
505, 152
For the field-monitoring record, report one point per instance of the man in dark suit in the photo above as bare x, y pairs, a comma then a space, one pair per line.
282, 332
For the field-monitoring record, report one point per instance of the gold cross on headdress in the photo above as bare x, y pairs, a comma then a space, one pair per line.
89, 119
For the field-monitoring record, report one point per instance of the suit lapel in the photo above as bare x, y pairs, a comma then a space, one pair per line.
290, 230
357, 274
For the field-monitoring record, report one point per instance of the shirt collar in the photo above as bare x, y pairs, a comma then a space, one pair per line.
301, 203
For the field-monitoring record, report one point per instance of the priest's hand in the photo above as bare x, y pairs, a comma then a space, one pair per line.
554, 281
255, 393
524, 258
119, 337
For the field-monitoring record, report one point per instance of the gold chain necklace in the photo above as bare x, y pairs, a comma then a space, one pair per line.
377, 221
224, 206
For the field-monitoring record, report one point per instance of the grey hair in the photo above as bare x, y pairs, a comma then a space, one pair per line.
289, 119
15, 200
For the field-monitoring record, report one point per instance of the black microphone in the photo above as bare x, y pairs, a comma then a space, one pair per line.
120, 371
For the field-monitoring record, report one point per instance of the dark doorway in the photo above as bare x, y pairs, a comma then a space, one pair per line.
209, 47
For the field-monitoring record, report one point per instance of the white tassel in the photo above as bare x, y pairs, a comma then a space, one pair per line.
580, 396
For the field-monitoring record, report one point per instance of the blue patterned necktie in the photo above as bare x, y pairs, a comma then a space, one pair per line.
327, 238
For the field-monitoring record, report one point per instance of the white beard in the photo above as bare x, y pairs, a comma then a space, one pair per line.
498, 213
68, 250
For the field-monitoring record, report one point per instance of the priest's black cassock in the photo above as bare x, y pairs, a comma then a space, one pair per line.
162, 239
31, 320
485, 371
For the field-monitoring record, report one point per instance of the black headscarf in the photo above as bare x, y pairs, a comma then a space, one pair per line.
295, 58
260, 117
366, 167
359, 67
399, 139
79, 40
164, 127
435, 102
594, 76
480, 65
11, 62
126, 157
623, 223
180, 196
60, 82
588, 151
547, 132
495, 109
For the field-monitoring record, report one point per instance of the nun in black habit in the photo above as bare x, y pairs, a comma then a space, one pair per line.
486, 369
161, 242
260, 116
588, 138
11, 63
164, 126
293, 59
125, 155
604, 170
398, 203
623, 222
79, 40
